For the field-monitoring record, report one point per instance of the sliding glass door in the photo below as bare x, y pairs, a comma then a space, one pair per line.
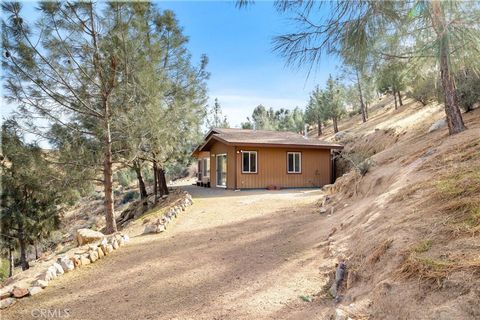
222, 170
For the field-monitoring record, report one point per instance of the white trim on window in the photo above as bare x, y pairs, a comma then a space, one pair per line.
249, 162
294, 162
216, 169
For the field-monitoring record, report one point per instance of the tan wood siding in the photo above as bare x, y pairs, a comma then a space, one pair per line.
272, 168
220, 148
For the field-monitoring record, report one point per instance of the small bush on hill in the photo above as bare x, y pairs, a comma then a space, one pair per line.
468, 90
125, 177
130, 196
4, 268
360, 161
422, 89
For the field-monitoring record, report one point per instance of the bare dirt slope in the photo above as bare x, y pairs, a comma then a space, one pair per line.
411, 230
232, 255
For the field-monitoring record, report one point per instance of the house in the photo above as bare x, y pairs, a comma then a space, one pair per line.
247, 159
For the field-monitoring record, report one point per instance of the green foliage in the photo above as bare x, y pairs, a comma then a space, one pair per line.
442, 34
215, 117
360, 161
125, 177
32, 191
468, 88
276, 120
130, 196
422, 87
391, 76
423, 246
316, 111
4, 269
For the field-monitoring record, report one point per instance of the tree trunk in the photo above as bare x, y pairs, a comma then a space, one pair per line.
362, 105
23, 247
452, 110
35, 246
400, 98
395, 96
111, 225
162, 182
10, 260
155, 180
141, 184
335, 125
319, 128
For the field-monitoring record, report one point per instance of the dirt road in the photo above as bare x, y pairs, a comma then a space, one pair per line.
232, 255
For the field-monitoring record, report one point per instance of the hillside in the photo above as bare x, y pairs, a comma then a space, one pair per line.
409, 229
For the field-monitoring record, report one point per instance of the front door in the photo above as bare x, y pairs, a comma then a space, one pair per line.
222, 170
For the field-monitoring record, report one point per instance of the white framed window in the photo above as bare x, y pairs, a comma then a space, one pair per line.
249, 161
206, 166
294, 162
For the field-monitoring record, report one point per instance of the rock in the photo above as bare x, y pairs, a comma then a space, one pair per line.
76, 261
100, 253
84, 260
126, 238
34, 290
40, 283
58, 268
115, 244
340, 135
52, 272
121, 242
5, 303
104, 248
109, 248
88, 236
5, 293
66, 264
18, 292
323, 210
327, 187
154, 228
341, 315
352, 278
439, 124
93, 256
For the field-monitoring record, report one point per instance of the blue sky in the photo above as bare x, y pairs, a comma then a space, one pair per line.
245, 72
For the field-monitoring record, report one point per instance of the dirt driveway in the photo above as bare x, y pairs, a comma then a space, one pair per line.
232, 255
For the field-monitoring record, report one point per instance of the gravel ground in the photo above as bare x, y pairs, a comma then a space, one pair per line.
232, 255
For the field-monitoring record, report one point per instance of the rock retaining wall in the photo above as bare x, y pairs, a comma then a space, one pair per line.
64, 263
160, 224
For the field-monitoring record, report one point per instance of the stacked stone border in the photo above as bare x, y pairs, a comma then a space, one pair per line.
177, 207
64, 263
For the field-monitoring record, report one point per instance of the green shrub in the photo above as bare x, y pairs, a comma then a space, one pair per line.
468, 90
423, 89
4, 268
353, 113
130, 196
360, 161
125, 177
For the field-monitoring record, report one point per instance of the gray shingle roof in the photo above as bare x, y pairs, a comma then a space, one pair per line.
264, 137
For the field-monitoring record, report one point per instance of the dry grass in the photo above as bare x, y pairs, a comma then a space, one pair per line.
379, 251
423, 246
458, 194
434, 271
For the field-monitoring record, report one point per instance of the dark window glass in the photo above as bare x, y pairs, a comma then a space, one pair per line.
290, 162
297, 162
253, 162
245, 161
